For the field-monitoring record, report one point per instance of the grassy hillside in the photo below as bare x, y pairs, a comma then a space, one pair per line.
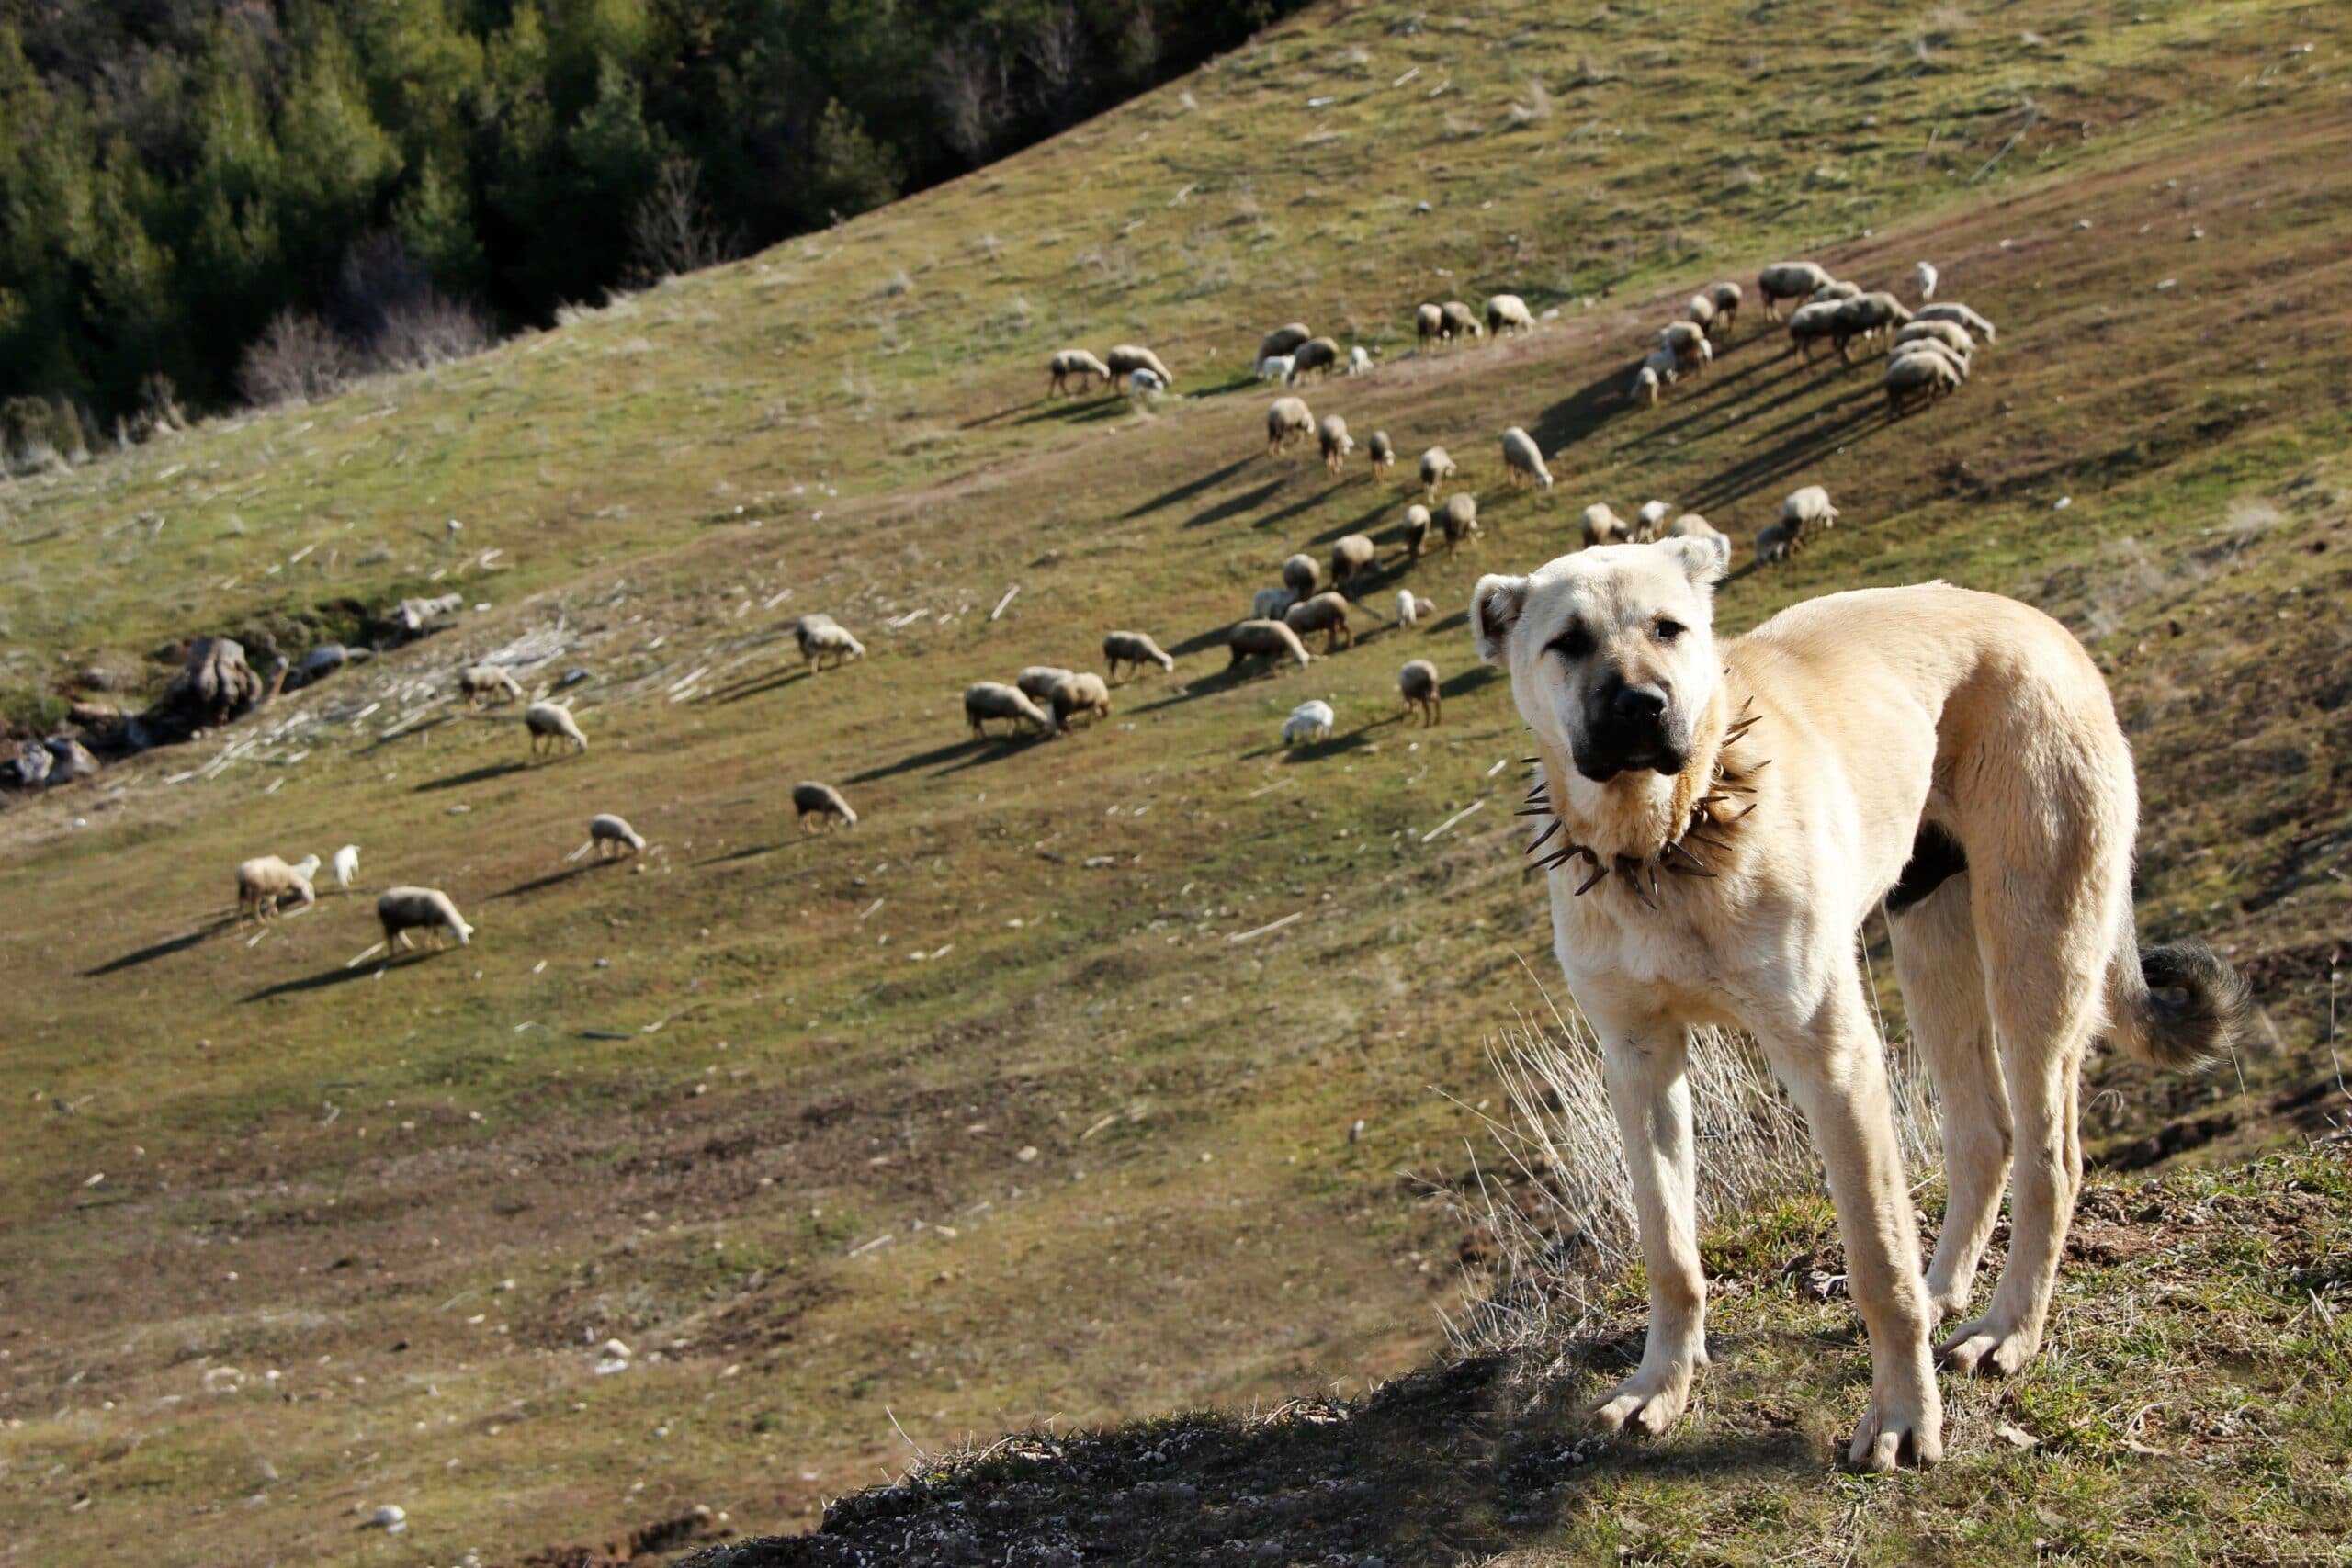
995, 1113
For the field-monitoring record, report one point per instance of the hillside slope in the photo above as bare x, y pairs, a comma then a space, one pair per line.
1008, 1105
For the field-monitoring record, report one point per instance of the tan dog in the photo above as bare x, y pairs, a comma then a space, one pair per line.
1951, 753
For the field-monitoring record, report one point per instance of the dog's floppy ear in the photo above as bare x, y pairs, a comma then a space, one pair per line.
1495, 605
1704, 559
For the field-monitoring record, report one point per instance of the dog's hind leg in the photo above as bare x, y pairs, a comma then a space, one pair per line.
1943, 992
1644, 1070
1831, 1060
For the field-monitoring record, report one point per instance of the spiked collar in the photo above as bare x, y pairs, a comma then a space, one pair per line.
1729, 796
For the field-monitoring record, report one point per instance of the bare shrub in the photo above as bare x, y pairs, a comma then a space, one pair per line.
673, 229
430, 329
1561, 1206
297, 359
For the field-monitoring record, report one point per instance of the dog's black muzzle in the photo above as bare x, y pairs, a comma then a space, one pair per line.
1630, 727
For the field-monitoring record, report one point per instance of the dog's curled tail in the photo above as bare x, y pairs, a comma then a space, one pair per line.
2177, 1005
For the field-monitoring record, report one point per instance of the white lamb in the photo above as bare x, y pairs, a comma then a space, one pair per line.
1647, 520
1276, 368
1145, 384
1927, 273
1309, 721
1411, 607
346, 865
1359, 360
1269, 603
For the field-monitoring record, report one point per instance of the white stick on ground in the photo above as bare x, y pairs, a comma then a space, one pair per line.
1262, 930
1003, 602
1450, 821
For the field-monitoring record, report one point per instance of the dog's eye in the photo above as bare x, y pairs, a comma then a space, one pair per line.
1667, 631
1574, 643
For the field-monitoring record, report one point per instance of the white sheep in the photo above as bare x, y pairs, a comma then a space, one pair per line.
1083, 691
1925, 272
551, 723
1459, 322
1951, 334
1508, 313
1933, 348
1135, 649
1776, 542
345, 864
1127, 358
1309, 721
1647, 521
1645, 387
1383, 453
1326, 613
1927, 373
1037, 682
307, 868
1436, 468
1806, 509
1702, 311
1523, 460
1299, 575
1283, 340
1810, 325
1417, 530
612, 836
1460, 520
1359, 360
264, 880
821, 638
1074, 363
1417, 681
406, 910
1787, 280
1952, 310
1691, 525
1835, 292
1145, 384
1318, 354
487, 685
1337, 443
1867, 316
1350, 553
1275, 367
1268, 603
1265, 640
822, 802
1412, 609
1288, 422
985, 699
1603, 526
1428, 323
1688, 343
1725, 297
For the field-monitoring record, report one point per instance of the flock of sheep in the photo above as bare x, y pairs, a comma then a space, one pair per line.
1930, 353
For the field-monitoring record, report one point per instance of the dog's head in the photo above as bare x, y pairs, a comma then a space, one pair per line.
1610, 650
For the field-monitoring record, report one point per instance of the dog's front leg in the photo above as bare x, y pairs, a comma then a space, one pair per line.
1647, 1089
1835, 1069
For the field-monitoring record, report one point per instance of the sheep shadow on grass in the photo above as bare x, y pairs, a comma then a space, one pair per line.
164, 949
954, 757
327, 979
1234, 505
756, 685
1224, 680
553, 879
1858, 416
482, 774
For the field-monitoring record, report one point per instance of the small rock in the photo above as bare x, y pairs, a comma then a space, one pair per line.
391, 1519
2016, 1439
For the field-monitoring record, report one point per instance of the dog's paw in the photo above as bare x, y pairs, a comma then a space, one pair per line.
1989, 1347
1646, 1402
1897, 1430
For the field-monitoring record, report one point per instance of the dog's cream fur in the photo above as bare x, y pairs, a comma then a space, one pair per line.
1885, 714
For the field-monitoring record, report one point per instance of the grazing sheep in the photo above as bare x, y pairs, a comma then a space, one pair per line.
1418, 680
1083, 693
346, 865
551, 723
1412, 609
1350, 553
1283, 340
1383, 453
1787, 280
1074, 363
1265, 640
263, 881
985, 699
1460, 520
1922, 376
1866, 316
1952, 310
1691, 525
1807, 509
1645, 387
1459, 322
1436, 468
1832, 293
1326, 613
1288, 422
1417, 530
1276, 368
1810, 325
1128, 357
613, 837
1310, 721
1508, 313
1428, 323
1925, 272
1268, 603
1726, 298
1951, 334
307, 868
1133, 648
1299, 575
1702, 311
1603, 526
821, 638
1037, 682
1523, 460
1688, 343
1145, 384
1316, 354
1933, 348
824, 802
1776, 542
1359, 360
1647, 520
1337, 443
406, 910
487, 685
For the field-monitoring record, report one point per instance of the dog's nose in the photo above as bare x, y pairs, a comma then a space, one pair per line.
1636, 703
